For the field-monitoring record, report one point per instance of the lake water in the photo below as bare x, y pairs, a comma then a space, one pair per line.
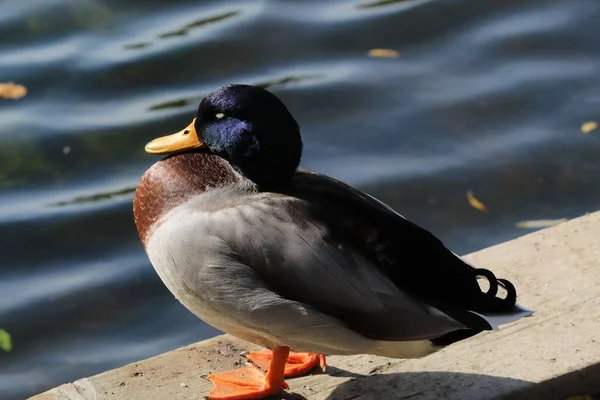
485, 96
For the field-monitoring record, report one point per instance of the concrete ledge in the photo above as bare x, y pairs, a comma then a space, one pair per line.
552, 355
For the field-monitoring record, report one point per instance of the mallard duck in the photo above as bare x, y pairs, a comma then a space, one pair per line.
293, 260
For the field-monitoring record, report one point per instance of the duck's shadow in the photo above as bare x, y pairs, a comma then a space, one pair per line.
415, 385
454, 385
423, 385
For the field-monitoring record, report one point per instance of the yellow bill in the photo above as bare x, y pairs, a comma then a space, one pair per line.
185, 139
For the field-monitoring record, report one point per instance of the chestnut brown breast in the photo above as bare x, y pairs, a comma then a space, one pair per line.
174, 180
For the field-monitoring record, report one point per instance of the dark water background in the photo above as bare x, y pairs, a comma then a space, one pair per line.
486, 95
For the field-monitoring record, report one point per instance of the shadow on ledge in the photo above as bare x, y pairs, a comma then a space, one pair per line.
583, 384
424, 385
455, 385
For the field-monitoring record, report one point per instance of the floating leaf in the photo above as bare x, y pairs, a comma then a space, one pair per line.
5, 340
11, 90
540, 223
589, 126
476, 204
385, 53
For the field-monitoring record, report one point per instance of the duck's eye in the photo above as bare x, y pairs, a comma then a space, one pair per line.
219, 115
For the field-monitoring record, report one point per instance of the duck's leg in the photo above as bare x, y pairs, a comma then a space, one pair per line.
250, 382
297, 363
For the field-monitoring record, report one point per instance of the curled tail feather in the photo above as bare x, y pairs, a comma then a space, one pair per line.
490, 301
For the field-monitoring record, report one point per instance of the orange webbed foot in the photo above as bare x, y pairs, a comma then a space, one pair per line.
250, 383
296, 364
242, 384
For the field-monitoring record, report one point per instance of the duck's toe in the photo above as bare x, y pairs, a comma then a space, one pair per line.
244, 384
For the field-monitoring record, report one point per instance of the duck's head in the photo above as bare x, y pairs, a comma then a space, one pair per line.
249, 127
